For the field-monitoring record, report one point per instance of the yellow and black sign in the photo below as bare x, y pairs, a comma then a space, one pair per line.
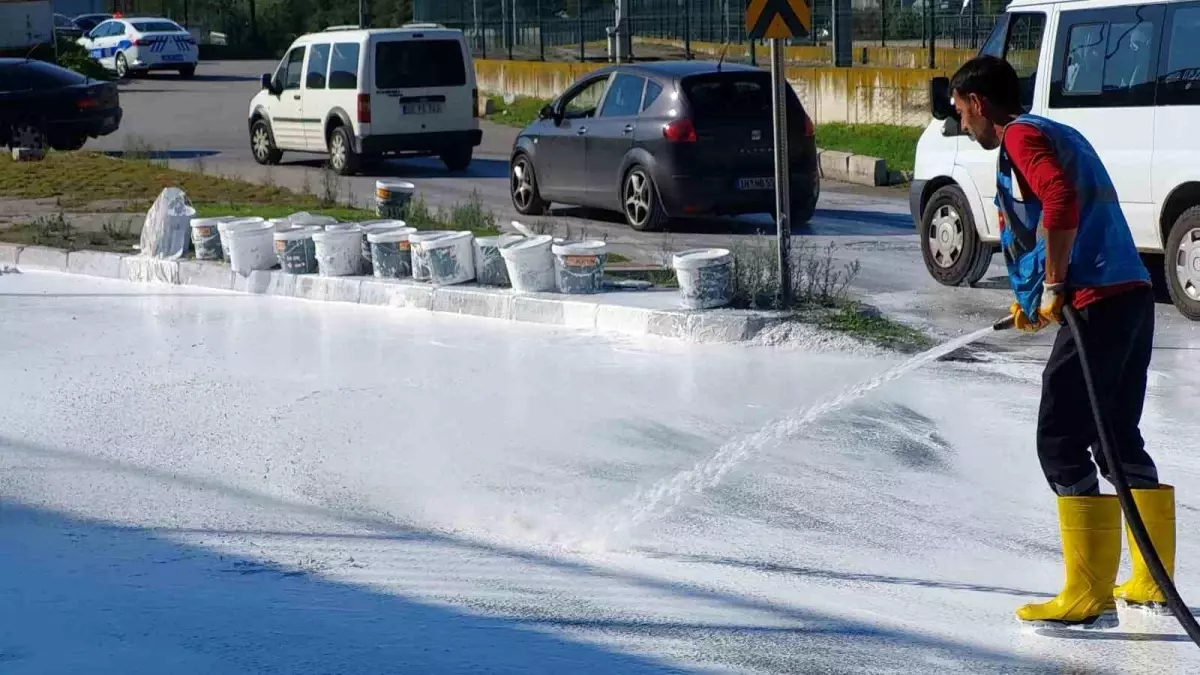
766, 19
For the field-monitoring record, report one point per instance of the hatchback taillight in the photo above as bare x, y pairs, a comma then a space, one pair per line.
364, 108
680, 131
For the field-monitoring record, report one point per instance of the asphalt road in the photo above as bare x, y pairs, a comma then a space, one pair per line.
202, 124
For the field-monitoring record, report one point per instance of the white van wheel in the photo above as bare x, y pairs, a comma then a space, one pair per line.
950, 245
1183, 263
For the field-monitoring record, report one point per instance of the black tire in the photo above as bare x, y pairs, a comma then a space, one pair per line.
68, 144
342, 157
458, 159
1182, 263
639, 201
122, 67
262, 143
28, 134
521, 174
951, 247
803, 207
187, 72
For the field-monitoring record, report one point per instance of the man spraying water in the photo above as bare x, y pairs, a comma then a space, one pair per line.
1066, 240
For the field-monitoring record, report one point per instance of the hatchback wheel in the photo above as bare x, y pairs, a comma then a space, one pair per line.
950, 245
522, 184
262, 143
643, 211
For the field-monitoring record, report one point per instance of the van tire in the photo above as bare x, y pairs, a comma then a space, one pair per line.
951, 247
458, 159
262, 143
342, 157
1181, 259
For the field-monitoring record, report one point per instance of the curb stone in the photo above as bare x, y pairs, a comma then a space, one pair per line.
858, 169
493, 303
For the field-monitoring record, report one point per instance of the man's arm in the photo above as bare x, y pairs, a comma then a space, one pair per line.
1033, 157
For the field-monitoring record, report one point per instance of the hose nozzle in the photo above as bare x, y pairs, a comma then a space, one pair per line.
1004, 324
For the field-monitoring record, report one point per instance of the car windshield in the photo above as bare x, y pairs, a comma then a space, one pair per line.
419, 63
156, 27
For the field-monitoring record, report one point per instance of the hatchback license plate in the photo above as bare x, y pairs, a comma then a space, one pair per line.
756, 183
422, 108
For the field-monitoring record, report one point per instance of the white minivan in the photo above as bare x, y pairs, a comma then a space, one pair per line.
1125, 75
359, 95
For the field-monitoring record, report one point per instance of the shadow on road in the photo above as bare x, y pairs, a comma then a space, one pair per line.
825, 222
417, 167
163, 154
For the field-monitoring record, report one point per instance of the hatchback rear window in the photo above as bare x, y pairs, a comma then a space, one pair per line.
729, 96
156, 27
412, 64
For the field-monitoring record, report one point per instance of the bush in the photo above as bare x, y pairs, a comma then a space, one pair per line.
74, 57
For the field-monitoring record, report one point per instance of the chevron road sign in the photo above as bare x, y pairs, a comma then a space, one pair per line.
778, 19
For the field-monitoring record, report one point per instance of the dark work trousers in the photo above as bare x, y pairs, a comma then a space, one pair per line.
1119, 335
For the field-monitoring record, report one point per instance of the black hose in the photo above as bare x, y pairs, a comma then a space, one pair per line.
1117, 475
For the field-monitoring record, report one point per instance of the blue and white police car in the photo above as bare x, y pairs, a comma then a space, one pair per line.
127, 45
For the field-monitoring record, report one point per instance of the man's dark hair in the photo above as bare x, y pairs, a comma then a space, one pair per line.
989, 78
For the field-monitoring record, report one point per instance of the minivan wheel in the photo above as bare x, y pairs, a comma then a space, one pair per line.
950, 245
262, 143
639, 199
522, 182
1183, 263
342, 158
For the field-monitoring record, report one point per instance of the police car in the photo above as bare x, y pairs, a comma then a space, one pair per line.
139, 45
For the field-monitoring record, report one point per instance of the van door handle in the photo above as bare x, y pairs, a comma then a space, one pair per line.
628, 129
296, 97
581, 131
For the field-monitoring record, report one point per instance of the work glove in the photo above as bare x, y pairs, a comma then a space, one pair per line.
1049, 311
1022, 322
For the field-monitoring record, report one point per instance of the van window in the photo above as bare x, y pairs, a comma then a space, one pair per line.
343, 66
1017, 38
1179, 83
624, 96
1106, 58
414, 64
290, 70
318, 64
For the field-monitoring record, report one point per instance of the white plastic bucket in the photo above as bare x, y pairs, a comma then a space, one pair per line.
339, 253
251, 247
295, 249
420, 258
489, 264
391, 196
705, 277
391, 253
306, 218
451, 258
206, 238
226, 224
579, 266
371, 226
530, 264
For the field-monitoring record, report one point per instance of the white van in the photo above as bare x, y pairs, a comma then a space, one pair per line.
1125, 75
363, 94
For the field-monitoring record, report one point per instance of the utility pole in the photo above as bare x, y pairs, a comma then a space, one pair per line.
932, 34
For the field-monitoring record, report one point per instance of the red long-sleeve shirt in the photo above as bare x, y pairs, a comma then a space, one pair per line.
1040, 175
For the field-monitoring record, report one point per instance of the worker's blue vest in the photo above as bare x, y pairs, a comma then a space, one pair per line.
1104, 253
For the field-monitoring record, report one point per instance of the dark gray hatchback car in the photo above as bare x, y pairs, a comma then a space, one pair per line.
663, 140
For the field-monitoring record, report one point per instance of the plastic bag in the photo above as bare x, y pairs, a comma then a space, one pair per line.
166, 232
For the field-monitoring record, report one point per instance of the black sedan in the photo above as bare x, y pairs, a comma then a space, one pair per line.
86, 22
44, 105
663, 140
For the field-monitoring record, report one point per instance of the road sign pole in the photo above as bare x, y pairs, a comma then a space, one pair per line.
783, 210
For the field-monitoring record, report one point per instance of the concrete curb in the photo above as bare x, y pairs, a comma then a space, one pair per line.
584, 312
858, 169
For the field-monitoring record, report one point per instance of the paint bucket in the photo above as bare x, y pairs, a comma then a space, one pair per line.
530, 264
370, 227
451, 258
226, 224
391, 196
295, 248
579, 266
489, 264
705, 277
306, 218
251, 247
420, 257
339, 253
391, 253
206, 238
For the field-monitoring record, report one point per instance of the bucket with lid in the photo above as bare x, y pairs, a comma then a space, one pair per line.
226, 224
530, 264
295, 249
306, 218
579, 266
339, 252
251, 247
489, 264
206, 238
369, 227
391, 253
451, 258
705, 277
420, 257
391, 196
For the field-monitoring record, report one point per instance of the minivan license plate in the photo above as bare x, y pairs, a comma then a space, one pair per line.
756, 183
421, 108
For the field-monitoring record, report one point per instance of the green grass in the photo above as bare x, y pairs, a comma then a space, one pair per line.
617, 259
216, 209
875, 328
522, 112
57, 232
897, 145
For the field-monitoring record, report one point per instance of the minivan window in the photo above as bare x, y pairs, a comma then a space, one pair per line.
318, 64
727, 97
290, 72
1106, 58
415, 64
343, 66
624, 96
1179, 83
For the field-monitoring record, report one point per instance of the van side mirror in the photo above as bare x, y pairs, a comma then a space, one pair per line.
940, 103
265, 80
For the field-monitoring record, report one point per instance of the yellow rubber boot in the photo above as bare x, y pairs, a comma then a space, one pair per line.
1158, 513
1091, 541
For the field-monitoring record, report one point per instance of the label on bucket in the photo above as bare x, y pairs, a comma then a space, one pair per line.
582, 261
382, 193
203, 231
280, 246
403, 245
